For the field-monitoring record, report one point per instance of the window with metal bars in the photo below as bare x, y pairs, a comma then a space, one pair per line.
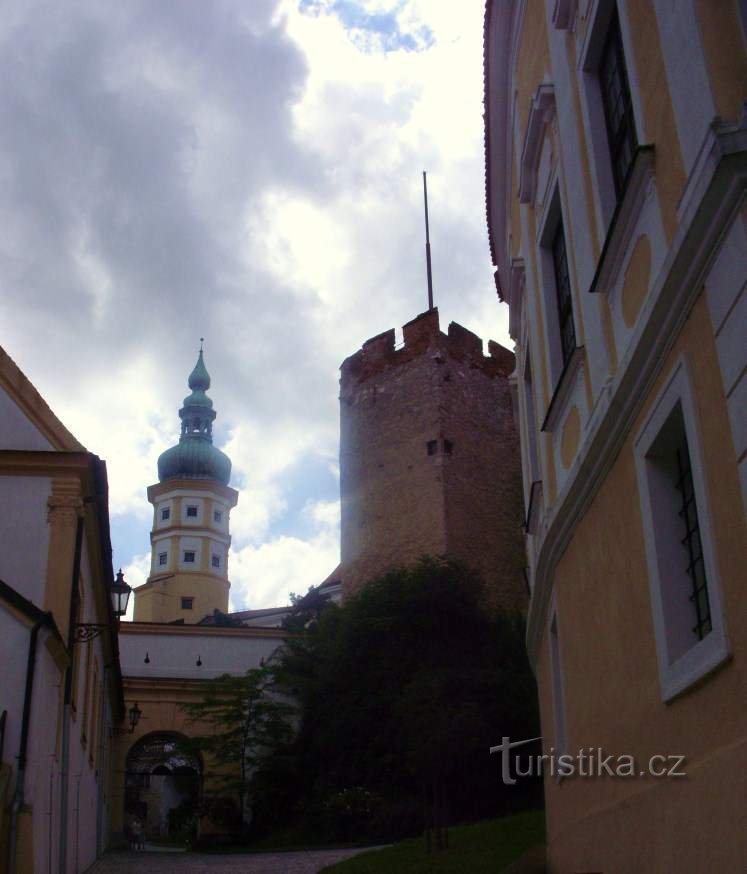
696, 572
563, 294
677, 529
617, 104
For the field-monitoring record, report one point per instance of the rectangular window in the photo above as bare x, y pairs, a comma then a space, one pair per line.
695, 569
162, 558
563, 294
617, 105
558, 693
432, 447
448, 447
192, 512
531, 422
217, 516
187, 603
677, 527
680, 549
165, 513
189, 557
216, 561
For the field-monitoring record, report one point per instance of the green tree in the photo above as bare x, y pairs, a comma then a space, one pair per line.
241, 720
402, 691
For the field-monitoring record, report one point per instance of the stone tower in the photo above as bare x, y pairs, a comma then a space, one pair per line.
429, 458
192, 502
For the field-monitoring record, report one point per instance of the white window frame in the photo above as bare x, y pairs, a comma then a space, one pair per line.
218, 516
196, 513
165, 557
193, 553
215, 561
675, 676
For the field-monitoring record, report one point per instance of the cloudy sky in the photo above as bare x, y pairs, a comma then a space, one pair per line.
250, 172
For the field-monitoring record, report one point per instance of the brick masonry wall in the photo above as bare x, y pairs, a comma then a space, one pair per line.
398, 501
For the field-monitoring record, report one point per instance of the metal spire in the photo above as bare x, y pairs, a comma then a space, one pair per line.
427, 244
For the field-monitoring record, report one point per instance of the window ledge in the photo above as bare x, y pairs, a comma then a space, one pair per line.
624, 219
695, 665
563, 390
531, 523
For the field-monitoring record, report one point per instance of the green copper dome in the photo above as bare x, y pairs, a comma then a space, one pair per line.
194, 456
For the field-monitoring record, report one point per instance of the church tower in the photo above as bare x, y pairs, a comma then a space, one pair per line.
192, 502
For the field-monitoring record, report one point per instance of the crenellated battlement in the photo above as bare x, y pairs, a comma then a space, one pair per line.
429, 459
421, 334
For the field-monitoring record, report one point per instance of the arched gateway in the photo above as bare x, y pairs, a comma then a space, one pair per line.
163, 783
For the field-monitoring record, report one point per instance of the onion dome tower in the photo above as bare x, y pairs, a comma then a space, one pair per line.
191, 502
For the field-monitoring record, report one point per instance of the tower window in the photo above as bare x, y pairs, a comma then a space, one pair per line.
192, 512
189, 557
165, 513
432, 447
162, 558
448, 447
216, 560
217, 515
187, 603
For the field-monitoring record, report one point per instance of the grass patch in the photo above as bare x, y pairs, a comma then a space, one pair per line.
483, 848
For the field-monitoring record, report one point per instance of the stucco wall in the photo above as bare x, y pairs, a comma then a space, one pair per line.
24, 533
608, 645
17, 431
171, 654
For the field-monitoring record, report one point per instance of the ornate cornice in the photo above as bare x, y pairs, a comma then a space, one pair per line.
541, 113
191, 486
65, 504
164, 628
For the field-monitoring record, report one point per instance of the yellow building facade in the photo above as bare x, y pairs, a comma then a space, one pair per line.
61, 690
616, 166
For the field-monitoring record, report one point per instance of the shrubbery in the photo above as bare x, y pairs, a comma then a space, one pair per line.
402, 691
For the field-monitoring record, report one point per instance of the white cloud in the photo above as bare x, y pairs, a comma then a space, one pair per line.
262, 576
247, 173
136, 573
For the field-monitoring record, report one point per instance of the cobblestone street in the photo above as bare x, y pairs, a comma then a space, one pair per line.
304, 862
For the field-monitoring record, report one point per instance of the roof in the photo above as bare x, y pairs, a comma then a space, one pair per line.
194, 456
34, 407
497, 24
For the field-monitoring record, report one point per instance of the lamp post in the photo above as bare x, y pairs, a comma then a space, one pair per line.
133, 715
119, 592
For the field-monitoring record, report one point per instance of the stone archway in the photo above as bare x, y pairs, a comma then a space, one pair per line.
163, 782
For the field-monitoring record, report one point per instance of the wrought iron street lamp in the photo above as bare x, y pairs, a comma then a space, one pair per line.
133, 715
119, 592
